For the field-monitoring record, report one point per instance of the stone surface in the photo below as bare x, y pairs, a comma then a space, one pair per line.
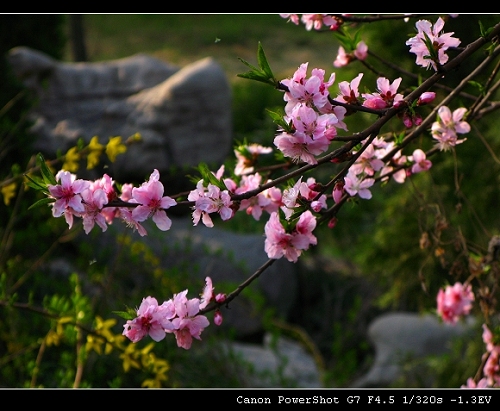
396, 336
183, 114
283, 363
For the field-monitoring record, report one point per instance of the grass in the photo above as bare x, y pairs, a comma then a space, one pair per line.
181, 39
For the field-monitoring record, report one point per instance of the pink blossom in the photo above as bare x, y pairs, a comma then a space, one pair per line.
308, 191
289, 198
398, 159
303, 231
420, 162
317, 21
279, 243
488, 339
246, 157
367, 162
187, 325
215, 200
151, 319
386, 96
208, 293
300, 147
94, 199
361, 51
491, 369
448, 125
312, 91
128, 219
440, 43
454, 302
294, 18
256, 204
318, 127
343, 58
360, 186
67, 194
152, 202
482, 383
349, 91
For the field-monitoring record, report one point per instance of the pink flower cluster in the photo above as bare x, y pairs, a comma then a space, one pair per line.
448, 125
344, 58
179, 315
289, 241
361, 175
430, 43
88, 199
491, 359
313, 21
454, 302
313, 118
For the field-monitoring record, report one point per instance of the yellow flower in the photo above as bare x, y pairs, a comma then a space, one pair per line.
52, 338
95, 151
71, 160
103, 329
115, 147
8, 192
135, 138
129, 357
94, 343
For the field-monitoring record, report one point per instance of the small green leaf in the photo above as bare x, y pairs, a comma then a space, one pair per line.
36, 182
125, 315
262, 74
279, 120
209, 177
263, 64
246, 63
41, 202
47, 175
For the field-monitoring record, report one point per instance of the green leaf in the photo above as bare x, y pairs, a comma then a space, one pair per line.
124, 314
41, 202
209, 177
263, 64
263, 73
484, 32
246, 63
279, 120
47, 175
254, 75
478, 85
36, 182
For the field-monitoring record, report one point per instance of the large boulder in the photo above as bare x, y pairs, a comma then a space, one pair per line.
400, 336
182, 114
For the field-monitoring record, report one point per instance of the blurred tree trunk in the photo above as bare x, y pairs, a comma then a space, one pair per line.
77, 37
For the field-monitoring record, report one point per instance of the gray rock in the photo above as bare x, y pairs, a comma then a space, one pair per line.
283, 363
396, 336
183, 114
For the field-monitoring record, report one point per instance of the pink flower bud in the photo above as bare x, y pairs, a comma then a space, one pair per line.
338, 191
220, 298
218, 318
407, 121
426, 98
417, 119
332, 223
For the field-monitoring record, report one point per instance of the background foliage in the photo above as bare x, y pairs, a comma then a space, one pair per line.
378, 239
